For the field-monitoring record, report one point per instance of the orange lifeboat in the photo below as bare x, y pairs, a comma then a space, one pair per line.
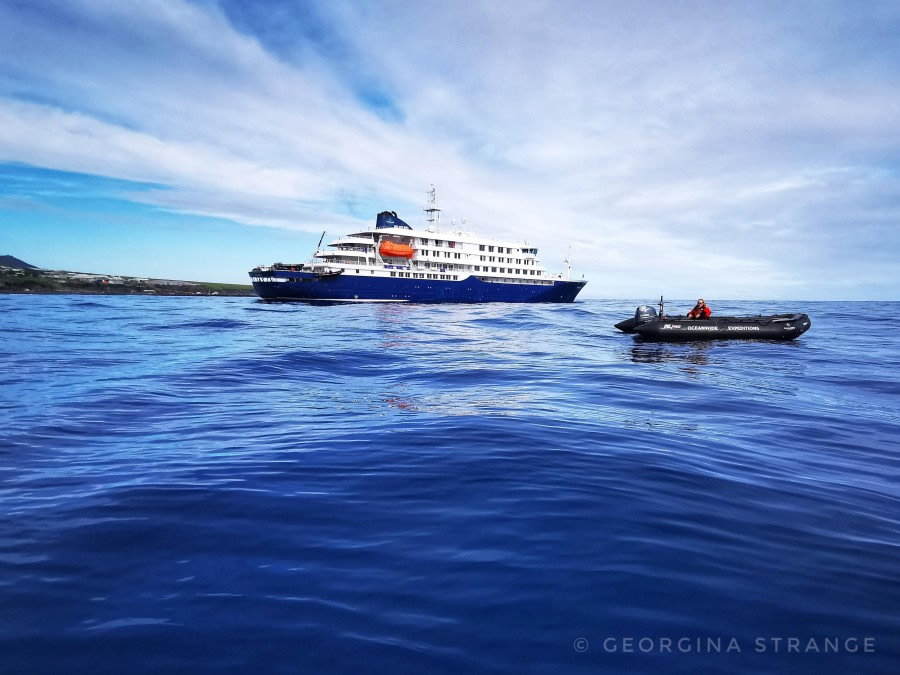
389, 249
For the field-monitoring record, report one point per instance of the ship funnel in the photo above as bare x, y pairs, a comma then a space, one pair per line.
388, 219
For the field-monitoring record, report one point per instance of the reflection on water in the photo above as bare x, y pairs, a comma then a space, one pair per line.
655, 352
451, 489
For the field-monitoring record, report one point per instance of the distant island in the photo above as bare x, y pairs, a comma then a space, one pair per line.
18, 276
15, 263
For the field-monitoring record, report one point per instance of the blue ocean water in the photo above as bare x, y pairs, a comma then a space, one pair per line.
223, 485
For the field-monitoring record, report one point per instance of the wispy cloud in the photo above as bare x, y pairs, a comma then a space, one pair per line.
716, 148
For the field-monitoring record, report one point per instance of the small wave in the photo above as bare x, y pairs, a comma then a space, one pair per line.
88, 304
483, 483
211, 324
218, 324
130, 622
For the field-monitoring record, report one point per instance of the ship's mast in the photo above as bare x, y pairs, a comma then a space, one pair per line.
434, 213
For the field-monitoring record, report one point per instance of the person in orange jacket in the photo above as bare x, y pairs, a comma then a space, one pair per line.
701, 310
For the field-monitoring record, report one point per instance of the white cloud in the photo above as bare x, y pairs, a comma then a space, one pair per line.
715, 149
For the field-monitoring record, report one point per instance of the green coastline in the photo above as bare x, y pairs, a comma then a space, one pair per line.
29, 281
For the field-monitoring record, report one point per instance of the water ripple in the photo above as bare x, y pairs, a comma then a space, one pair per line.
438, 489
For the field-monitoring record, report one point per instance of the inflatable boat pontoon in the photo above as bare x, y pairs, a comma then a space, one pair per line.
649, 325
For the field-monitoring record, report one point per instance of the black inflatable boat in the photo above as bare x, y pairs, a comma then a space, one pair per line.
649, 325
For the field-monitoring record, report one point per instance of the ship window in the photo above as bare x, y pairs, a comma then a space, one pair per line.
357, 271
457, 256
437, 243
481, 247
424, 242
393, 274
491, 250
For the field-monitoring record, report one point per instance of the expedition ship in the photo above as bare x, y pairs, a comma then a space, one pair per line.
394, 262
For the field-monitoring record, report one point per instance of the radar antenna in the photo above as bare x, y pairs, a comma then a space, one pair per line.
434, 213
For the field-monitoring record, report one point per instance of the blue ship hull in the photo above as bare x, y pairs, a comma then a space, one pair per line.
349, 287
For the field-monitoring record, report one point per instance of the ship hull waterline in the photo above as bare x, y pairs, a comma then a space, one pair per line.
350, 287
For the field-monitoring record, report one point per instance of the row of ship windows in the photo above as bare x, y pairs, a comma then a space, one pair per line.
519, 261
455, 277
437, 254
507, 270
420, 275
476, 268
481, 247
487, 268
507, 280
457, 256
482, 258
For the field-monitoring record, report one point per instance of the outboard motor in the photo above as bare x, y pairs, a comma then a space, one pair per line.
643, 314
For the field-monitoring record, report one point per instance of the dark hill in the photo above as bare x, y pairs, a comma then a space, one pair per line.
10, 261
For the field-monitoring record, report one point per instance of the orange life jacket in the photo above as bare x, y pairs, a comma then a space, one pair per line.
700, 312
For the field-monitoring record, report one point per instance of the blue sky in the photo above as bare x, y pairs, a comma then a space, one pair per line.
725, 149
